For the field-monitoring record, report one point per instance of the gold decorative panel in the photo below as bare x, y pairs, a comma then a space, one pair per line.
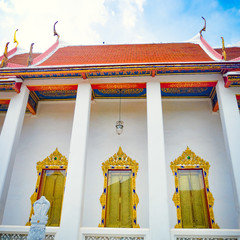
189, 160
120, 162
56, 161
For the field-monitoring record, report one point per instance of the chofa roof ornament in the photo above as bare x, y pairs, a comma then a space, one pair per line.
204, 28
54, 30
224, 54
30, 58
15, 39
5, 58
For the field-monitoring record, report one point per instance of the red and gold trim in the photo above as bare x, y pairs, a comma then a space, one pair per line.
52, 87
188, 84
118, 85
5, 101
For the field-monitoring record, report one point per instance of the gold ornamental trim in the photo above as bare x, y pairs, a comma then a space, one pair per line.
187, 160
120, 161
55, 161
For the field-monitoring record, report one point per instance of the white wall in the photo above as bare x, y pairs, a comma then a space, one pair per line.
186, 123
104, 142
40, 136
192, 123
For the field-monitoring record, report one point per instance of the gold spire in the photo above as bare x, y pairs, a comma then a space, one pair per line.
54, 30
30, 59
224, 54
5, 58
204, 28
15, 40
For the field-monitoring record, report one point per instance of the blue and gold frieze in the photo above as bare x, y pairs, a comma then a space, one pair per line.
7, 86
119, 74
56, 95
32, 102
234, 80
187, 92
115, 93
119, 70
186, 71
3, 107
235, 84
52, 76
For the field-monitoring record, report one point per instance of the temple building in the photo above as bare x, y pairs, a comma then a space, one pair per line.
131, 141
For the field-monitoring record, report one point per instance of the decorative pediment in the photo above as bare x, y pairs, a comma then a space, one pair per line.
189, 159
55, 159
120, 161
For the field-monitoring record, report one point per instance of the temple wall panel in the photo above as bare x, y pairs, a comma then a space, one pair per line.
104, 142
40, 136
192, 123
186, 123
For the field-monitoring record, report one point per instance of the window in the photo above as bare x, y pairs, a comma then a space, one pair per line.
192, 197
50, 183
194, 209
119, 199
52, 187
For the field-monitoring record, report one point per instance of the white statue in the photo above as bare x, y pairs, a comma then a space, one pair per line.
39, 219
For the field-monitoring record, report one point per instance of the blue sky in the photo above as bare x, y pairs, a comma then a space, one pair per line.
84, 22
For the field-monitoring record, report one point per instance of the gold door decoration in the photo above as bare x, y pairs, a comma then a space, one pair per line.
189, 160
120, 166
50, 183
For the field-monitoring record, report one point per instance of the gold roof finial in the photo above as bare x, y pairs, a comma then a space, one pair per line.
5, 58
54, 30
204, 28
15, 39
30, 59
224, 54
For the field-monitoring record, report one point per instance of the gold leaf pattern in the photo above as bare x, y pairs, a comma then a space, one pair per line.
55, 161
120, 161
187, 160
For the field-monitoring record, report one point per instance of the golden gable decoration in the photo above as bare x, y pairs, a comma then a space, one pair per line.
189, 160
120, 161
55, 161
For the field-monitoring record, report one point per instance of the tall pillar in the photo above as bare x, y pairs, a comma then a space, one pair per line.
72, 208
9, 140
158, 197
230, 118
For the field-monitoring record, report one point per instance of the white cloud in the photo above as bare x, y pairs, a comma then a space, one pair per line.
4, 7
35, 20
114, 21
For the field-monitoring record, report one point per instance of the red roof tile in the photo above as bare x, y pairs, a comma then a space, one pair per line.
21, 59
136, 53
232, 52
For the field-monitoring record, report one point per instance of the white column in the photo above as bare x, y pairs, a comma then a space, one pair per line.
9, 140
72, 209
230, 118
158, 197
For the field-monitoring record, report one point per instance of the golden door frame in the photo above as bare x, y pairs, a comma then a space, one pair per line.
55, 161
187, 160
120, 161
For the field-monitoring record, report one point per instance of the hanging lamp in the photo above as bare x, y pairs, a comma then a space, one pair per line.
119, 123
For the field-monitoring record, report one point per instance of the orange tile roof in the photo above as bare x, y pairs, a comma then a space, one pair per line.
232, 52
21, 59
135, 53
